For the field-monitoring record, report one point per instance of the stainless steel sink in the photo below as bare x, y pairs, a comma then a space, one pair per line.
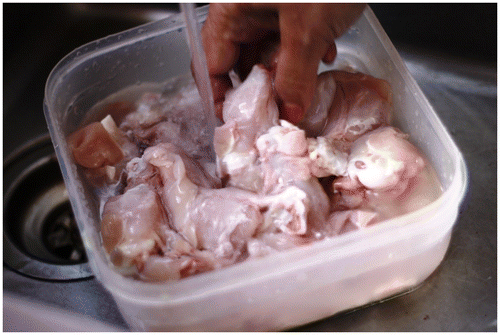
49, 273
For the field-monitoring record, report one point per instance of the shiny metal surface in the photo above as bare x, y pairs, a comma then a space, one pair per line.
40, 237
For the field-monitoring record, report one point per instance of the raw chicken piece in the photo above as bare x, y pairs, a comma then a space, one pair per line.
178, 190
348, 193
384, 160
345, 106
248, 112
340, 222
361, 103
268, 243
316, 116
328, 157
131, 226
101, 146
94, 147
251, 104
225, 219
128, 148
220, 220
386, 174
283, 153
179, 259
299, 208
284, 138
138, 172
288, 158
137, 237
158, 268
287, 211
171, 119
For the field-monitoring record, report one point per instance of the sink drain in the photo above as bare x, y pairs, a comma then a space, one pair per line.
41, 238
60, 235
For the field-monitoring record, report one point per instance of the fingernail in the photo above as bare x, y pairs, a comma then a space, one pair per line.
292, 113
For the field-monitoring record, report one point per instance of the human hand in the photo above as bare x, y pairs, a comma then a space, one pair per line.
234, 36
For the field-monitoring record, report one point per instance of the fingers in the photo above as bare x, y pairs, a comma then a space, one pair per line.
343, 15
220, 85
221, 50
330, 55
226, 28
307, 32
303, 46
219, 38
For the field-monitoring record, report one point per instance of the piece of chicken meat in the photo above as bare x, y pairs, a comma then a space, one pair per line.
248, 112
387, 176
223, 220
361, 103
137, 234
346, 105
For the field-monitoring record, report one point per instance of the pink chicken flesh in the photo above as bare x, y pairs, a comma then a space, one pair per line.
273, 185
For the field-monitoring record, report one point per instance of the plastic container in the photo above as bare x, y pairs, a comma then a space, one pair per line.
283, 290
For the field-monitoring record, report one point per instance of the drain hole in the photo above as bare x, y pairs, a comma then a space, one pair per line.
61, 237
40, 237
38, 215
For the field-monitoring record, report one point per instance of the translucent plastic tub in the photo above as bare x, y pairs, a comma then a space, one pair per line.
283, 290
